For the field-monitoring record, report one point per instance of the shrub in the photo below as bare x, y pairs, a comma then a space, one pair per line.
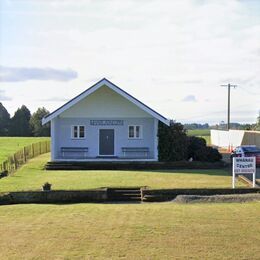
46, 186
199, 151
173, 142
213, 155
175, 145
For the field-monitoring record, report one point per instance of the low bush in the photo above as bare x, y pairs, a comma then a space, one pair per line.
199, 151
46, 186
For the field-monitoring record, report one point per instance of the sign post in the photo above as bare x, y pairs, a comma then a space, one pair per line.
243, 165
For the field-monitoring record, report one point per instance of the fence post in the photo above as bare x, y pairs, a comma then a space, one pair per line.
8, 165
24, 155
32, 151
20, 157
3, 166
15, 162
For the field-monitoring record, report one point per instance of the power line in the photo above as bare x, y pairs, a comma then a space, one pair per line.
229, 86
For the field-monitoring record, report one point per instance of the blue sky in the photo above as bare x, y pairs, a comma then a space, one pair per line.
172, 55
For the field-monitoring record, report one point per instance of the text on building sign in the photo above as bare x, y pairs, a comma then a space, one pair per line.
106, 122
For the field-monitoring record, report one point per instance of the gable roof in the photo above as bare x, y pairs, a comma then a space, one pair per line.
115, 88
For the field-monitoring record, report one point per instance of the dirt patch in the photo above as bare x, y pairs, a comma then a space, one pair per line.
217, 198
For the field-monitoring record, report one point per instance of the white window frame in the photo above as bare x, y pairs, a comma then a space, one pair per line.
140, 132
78, 132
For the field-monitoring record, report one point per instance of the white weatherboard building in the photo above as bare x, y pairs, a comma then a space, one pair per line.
233, 138
104, 123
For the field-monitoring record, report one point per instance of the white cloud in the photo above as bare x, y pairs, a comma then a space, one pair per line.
156, 51
14, 74
189, 98
3, 97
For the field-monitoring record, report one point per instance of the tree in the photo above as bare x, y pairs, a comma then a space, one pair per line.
175, 145
257, 127
4, 120
173, 142
36, 123
20, 122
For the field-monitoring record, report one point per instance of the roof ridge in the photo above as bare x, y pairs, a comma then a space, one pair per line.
113, 87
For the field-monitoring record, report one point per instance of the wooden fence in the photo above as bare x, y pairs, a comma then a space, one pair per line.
20, 157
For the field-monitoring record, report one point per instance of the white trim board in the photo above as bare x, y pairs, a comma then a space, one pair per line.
107, 160
115, 88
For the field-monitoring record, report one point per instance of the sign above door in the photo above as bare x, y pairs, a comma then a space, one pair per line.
106, 122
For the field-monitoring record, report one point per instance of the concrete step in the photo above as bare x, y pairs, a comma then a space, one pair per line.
124, 194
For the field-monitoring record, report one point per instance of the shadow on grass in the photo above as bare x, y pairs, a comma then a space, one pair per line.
222, 172
211, 172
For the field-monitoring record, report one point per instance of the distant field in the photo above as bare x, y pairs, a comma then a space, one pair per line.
9, 145
199, 132
31, 176
204, 133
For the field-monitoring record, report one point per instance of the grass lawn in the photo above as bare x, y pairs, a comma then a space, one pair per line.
31, 176
125, 231
10, 145
130, 231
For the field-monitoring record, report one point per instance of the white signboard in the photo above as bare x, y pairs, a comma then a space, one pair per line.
243, 165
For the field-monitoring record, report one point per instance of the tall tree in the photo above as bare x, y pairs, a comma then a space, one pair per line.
20, 125
4, 120
36, 123
173, 142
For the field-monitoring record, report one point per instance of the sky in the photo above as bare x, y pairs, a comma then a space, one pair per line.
172, 55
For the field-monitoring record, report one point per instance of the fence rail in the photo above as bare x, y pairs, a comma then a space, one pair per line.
22, 156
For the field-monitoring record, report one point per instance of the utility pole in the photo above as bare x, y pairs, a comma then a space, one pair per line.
228, 112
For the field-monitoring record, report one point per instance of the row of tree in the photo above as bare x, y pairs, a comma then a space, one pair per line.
23, 123
193, 126
236, 126
258, 123
223, 126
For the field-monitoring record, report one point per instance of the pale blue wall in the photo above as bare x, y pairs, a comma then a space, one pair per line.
103, 104
63, 135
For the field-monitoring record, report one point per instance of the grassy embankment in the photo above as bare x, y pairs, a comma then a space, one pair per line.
10, 145
31, 176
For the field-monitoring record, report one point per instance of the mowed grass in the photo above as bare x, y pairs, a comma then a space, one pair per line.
10, 145
32, 176
130, 231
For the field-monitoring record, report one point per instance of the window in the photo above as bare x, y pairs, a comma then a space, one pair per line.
131, 132
81, 131
78, 131
135, 132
